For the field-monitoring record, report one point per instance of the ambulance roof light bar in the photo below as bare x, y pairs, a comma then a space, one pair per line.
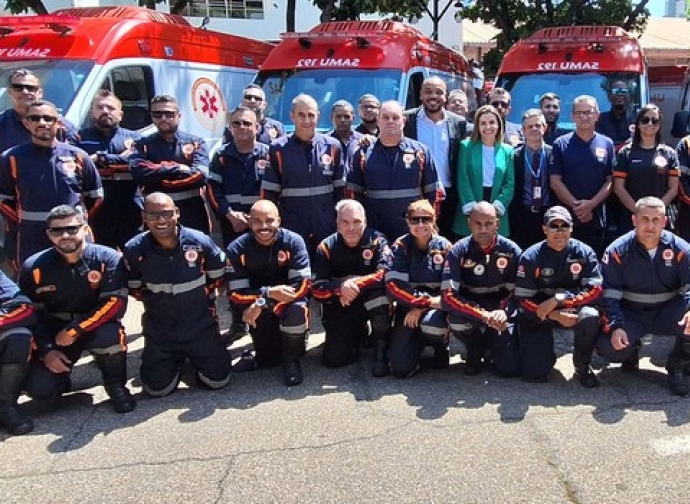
575, 34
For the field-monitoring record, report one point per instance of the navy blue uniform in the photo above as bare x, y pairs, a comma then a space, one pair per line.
35, 179
346, 326
16, 314
87, 299
119, 217
543, 272
252, 269
683, 221
585, 167
349, 147
411, 280
269, 130
178, 169
387, 179
235, 183
305, 180
177, 288
476, 281
644, 294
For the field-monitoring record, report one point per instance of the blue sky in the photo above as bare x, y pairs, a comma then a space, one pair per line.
657, 7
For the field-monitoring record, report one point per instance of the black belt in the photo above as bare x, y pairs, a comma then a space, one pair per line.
533, 209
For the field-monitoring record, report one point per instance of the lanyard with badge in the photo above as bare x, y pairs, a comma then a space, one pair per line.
536, 176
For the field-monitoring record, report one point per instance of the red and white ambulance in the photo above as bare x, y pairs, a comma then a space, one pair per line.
572, 61
346, 59
135, 52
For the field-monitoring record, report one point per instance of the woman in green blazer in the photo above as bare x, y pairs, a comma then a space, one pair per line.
485, 170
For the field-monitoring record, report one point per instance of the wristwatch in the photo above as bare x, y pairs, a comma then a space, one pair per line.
560, 298
260, 302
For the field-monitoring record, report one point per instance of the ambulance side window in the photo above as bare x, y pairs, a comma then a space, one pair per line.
133, 85
413, 90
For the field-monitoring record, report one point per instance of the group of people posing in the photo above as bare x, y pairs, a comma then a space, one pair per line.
361, 219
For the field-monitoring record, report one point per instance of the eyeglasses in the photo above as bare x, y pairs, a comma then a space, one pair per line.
239, 124
24, 87
581, 114
168, 114
48, 119
154, 216
59, 231
251, 97
420, 220
619, 91
500, 104
558, 227
646, 120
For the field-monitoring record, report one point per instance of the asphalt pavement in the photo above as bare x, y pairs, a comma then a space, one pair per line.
344, 436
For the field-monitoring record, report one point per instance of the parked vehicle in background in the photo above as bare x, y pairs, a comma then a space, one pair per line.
681, 119
572, 61
345, 60
136, 53
664, 83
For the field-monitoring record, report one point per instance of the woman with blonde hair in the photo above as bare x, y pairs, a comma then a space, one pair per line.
414, 282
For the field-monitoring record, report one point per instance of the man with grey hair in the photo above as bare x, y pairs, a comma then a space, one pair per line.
647, 290
532, 189
580, 172
342, 116
349, 268
392, 172
306, 176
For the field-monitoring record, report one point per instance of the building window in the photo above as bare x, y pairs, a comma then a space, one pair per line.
237, 9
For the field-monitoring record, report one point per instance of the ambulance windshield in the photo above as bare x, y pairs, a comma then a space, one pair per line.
525, 90
326, 86
61, 79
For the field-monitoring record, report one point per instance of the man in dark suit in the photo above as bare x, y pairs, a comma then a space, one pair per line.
532, 194
441, 131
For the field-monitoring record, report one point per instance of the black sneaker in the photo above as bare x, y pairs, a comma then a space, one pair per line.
246, 363
587, 377
678, 382
441, 359
292, 373
632, 363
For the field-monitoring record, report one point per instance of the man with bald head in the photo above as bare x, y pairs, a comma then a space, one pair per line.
269, 280
174, 271
306, 175
392, 172
441, 130
478, 282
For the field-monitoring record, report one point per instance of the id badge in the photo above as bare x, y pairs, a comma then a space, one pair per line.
536, 192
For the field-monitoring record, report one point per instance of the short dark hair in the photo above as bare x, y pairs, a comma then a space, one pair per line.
163, 98
65, 212
21, 72
548, 96
41, 103
105, 93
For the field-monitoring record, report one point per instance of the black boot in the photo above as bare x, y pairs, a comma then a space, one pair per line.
632, 363
678, 381
675, 366
380, 367
586, 376
11, 382
114, 370
583, 346
293, 349
475, 354
238, 329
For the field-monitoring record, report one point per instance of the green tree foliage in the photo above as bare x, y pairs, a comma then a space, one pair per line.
517, 19
331, 10
22, 6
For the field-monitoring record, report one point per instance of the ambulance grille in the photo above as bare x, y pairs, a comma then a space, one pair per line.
125, 12
363, 27
577, 33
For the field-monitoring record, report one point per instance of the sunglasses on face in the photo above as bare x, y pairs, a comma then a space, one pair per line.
584, 113
558, 227
24, 87
154, 216
61, 230
500, 104
420, 220
619, 91
48, 119
164, 113
647, 120
250, 97
239, 124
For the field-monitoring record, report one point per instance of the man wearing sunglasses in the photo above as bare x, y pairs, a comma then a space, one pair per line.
79, 289
173, 162
558, 286
175, 271
109, 145
647, 290
615, 123
253, 97
41, 174
234, 186
500, 99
